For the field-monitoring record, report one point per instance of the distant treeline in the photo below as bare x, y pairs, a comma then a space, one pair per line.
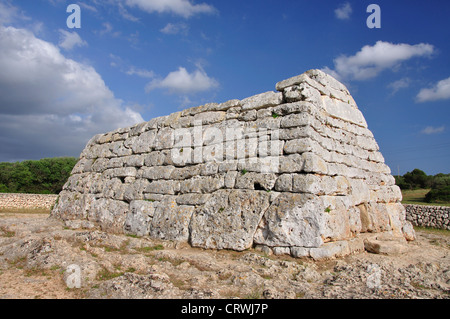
439, 184
45, 176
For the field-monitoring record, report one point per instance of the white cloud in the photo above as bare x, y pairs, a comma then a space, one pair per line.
125, 14
344, 11
69, 40
10, 13
181, 81
333, 73
123, 66
371, 60
108, 29
439, 91
184, 8
87, 7
51, 105
433, 130
399, 84
140, 72
172, 28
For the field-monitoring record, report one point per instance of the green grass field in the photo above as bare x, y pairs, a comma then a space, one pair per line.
417, 196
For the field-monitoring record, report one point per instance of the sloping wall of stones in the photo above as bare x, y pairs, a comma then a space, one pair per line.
15, 201
295, 168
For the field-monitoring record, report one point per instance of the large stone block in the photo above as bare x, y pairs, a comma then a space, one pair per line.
292, 220
109, 214
138, 219
145, 142
171, 221
229, 219
337, 108
266, 99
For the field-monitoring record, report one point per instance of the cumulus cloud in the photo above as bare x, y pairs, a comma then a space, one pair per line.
439, 91
51, 105
433, 130
69, 40
344, 11
181, 81
372, 60
184, 8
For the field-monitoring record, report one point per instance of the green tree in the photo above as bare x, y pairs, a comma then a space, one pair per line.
416, 179
440, 180
45, 176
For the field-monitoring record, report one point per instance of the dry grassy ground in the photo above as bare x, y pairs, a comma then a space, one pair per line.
417, 197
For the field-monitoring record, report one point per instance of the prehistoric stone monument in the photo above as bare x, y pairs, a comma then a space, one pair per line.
296, 171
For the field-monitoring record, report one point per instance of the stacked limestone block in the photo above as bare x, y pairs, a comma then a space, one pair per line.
295, 171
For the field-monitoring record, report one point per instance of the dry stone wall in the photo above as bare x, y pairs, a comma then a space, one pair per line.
26, 201
428, 216
295, 171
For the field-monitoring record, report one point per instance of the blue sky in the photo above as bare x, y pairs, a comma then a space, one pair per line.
133, 60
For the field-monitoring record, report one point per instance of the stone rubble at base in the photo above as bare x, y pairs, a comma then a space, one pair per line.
295, 171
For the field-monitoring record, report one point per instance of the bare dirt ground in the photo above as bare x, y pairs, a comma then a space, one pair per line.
41, 258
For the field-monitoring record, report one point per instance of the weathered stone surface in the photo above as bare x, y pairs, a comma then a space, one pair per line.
328, 250
255, 181
209, 117
227, 105
266, 99
163, 187
292, 220
338, 109
171, 221
385, 245
164, 138
293, 163
109, 214
229, 219
135, 190
296, 171
301, 92
138, 220
145, 142
192, 199
202, 184
284, 183
156, 172
72, 205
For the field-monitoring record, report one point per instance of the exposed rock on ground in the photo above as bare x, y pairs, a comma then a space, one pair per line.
36, 252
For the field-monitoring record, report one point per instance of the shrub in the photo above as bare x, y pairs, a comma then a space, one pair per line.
45, 176
441, 194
